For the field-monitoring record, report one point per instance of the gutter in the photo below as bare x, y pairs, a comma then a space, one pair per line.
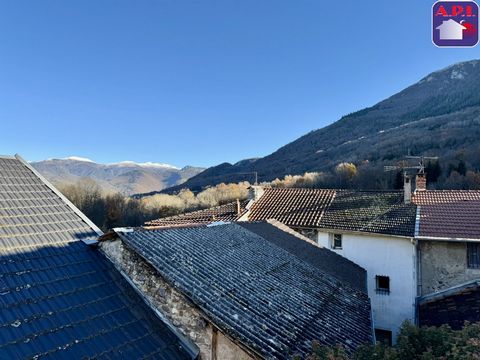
434, 238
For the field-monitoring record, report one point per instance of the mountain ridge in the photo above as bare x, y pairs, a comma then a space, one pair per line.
126, 177
438, 115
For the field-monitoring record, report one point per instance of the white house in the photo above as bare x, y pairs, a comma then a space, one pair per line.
374, 229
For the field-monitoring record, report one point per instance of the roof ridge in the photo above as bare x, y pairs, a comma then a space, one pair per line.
61, 196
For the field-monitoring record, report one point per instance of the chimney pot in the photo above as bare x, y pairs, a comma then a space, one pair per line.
421, 182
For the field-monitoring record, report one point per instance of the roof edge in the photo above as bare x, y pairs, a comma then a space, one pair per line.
63, 198
191, 348
425, 299
345, 231
199, 307
434, 238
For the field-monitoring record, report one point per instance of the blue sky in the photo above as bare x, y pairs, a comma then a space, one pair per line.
199, 82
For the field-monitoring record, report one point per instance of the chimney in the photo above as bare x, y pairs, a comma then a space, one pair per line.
407, 188
239, 210
421, 182
255, 192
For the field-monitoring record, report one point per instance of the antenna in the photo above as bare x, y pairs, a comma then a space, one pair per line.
420, 167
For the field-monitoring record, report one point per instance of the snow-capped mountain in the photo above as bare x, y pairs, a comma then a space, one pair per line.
127, 177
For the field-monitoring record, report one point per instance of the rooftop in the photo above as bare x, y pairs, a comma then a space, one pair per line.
382, 212
292, 206
257, 288
59, 296
449, 214
226, 212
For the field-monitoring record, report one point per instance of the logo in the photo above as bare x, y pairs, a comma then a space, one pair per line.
455, 23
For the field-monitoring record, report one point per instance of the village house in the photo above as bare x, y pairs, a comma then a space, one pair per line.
60, 297
246, 290
414, 244
448, 238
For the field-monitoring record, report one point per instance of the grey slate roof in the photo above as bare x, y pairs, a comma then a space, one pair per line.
319, 257
258, 293
59, 297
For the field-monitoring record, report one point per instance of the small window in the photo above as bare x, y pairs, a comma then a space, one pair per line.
383, 284
383, 336
473, 255
336, 241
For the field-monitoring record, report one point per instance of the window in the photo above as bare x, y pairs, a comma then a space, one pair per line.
383, 284
336, 241
473, 255
383, 336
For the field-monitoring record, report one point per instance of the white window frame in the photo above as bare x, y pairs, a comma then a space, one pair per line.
332, 241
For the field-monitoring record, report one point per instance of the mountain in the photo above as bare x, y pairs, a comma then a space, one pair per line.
126, 177
439, 115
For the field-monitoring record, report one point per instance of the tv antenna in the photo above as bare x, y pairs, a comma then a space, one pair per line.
403, 166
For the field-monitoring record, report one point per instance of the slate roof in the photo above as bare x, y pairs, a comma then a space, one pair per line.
59, 297
226, 212
323, 259
382, 212
292, 206
258, 293
449, 214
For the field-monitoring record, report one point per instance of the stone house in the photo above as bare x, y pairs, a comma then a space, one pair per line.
246, 290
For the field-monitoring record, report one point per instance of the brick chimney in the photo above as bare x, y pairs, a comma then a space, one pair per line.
421, 182
407, 188
255, 192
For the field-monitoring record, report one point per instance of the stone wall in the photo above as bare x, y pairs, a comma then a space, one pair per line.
175, 307
443, 264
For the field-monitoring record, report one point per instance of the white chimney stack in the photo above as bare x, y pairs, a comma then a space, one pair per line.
255, 192
407, 188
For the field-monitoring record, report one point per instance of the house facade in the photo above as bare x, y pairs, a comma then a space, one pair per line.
371, 228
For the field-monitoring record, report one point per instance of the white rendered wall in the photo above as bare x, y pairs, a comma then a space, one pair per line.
387, 256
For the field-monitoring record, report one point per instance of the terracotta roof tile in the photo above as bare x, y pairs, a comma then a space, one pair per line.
291, 206
429, 197
226, 212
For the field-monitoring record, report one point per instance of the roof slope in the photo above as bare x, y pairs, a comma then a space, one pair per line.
59, 297
226, 212
323, 259
255, 291
452, 214
370, 211
451, 306
292, 206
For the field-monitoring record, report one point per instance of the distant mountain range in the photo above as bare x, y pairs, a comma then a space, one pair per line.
126, 177
439, 115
